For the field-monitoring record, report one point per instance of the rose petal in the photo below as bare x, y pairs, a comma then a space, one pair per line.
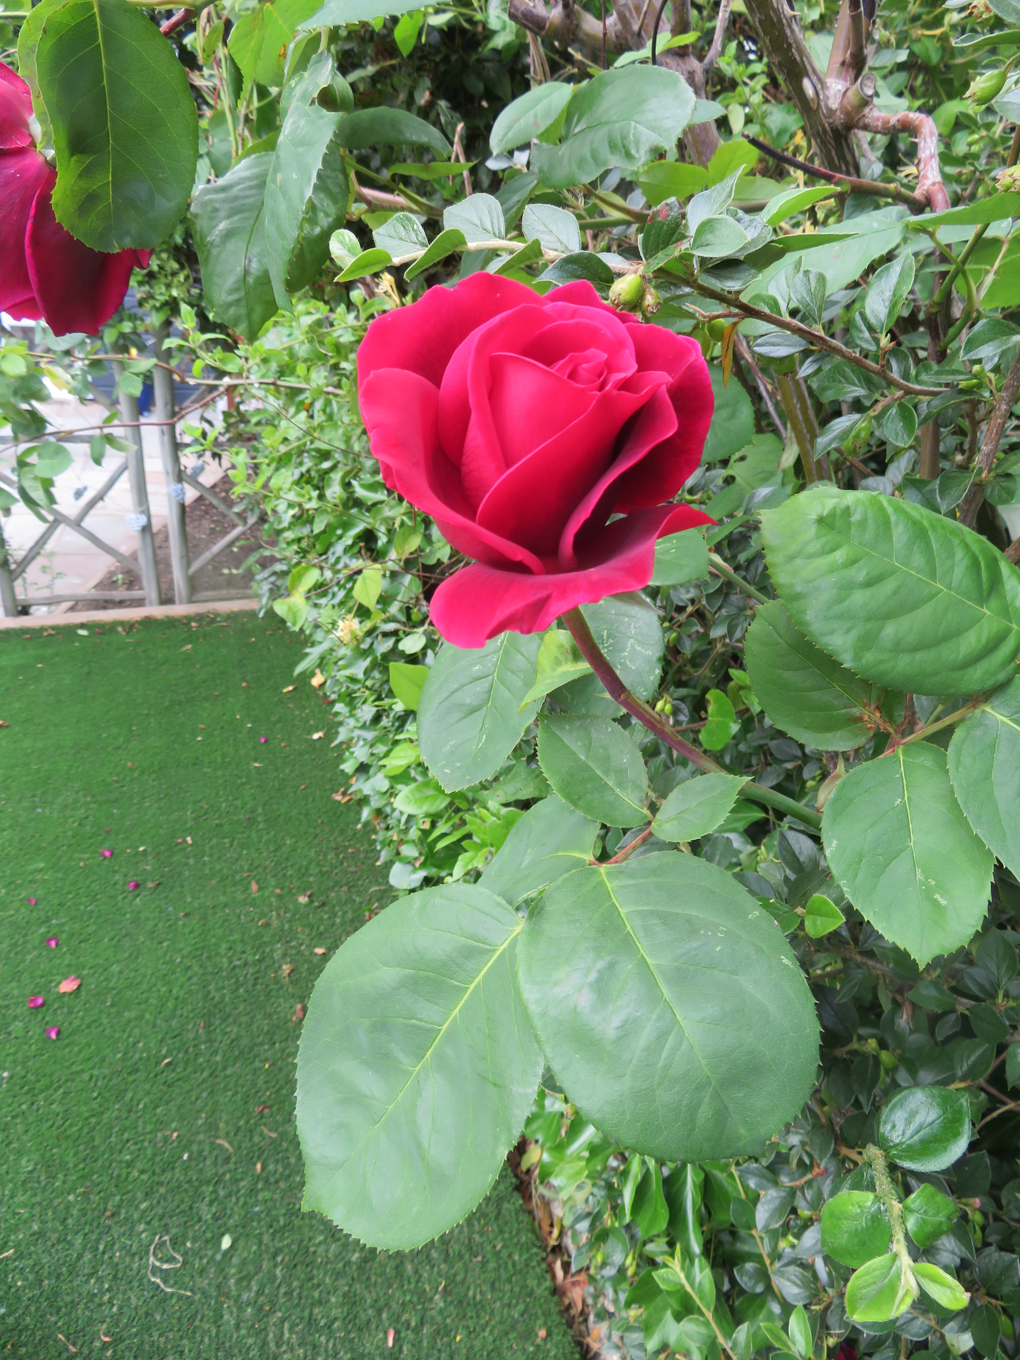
52, 942
106, 854
405, 440
423, 337
21, 175
52, 1032
479, 602
34, 1002
15, 110
132, 886
31, 901
69, 984
77, 288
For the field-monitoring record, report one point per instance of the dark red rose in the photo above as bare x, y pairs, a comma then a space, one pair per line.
45, 273
543, 434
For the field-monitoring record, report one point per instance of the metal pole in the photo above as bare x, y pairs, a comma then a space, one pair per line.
142, 519
8, 600
163, 392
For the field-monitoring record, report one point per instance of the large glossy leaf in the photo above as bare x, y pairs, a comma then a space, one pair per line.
669, 1006
469, 717
392, 127
680, 558
529, 115
28, 46
926, 1128
125, 129
855, 1227
306, 195
804, 691
550, 840
880, 1290
899, 594
697, 807
902, 850
417, 1067
620, 118
595, 767
230, 237
629, 633
260, 37
984, 765
927, 1214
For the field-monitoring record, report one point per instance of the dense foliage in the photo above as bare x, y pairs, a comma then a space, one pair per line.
805, 777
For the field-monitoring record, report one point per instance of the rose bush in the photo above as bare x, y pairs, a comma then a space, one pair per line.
543, 434
45, 273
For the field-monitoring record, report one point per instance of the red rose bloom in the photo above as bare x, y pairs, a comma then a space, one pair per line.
45, 273
543, 434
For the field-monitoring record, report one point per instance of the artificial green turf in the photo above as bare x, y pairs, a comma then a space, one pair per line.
144, 1118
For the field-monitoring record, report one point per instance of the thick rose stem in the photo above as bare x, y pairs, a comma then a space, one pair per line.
577, 626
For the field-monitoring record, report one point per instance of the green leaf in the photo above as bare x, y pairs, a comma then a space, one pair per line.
391, 127
901, 849
337, 13
306, 197
804, 692
989, 340
925, 1128
445, 244
628, 632
879, 1291
928, 1214
469, 719
855, 1228
559, 661
550, 840
595, 767
368, 262
620, 118
51, 459
899, 594
1013, 1065
405, 32
649, 1209
407, 682
680, 558
526, 117
478, 218
888, 291
671, 179
984, 765
28, 46
732, 427
697, 807
400, 235
555, 228
721, 724
368, 587
717, 237
622, 969
260, 37
991, 209
293, 610
821, 916
789, 202
581, 265
230, 239
943, 1288
125, 159
801, 1332
416, 1067
423, 799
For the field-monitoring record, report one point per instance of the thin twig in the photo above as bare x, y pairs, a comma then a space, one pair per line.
177, 21
990, 444
847, 183
714, 51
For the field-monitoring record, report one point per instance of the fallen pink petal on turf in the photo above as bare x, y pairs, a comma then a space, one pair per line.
106, 854
53, 1032
132, 886
52, 942
31, 901
70, 984
34, 1002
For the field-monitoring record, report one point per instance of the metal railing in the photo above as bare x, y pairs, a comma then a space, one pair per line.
140, 520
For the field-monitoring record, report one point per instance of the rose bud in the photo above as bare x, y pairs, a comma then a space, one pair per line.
628, 293
45, 273
547, 437
984, 88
